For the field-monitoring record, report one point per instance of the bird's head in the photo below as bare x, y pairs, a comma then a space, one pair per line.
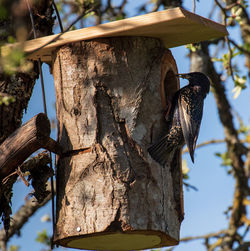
197, 78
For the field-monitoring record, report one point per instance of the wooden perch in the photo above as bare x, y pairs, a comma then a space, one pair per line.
27, 139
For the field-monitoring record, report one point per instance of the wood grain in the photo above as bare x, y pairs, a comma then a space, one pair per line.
27, 139
174, 27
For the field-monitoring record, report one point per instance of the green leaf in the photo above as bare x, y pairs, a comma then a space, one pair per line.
13, 60
185, 169
234, 54
42, 237
11, 40
92, 13
216, 59
240, 81
240, 84
119, 17
192, 47
6, 99
226, 161
244, 129
236, 90
246, 47
3, 12
13, 248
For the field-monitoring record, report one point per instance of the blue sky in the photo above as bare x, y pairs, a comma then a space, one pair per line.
203, 209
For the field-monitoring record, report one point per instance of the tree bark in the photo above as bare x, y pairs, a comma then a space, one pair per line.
16, 23
27, 139
110, 194
20, 85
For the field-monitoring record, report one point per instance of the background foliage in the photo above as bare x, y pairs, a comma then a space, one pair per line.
217, 215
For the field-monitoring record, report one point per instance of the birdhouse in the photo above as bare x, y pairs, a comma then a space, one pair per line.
113, 83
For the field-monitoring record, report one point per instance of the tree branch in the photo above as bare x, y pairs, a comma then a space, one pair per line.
205, 236
32, 205
240, 48
209, 142
201, 61
244, 27
216, 141
21, 217
230, 53
27, 139
243, 247
60, 34
39, 173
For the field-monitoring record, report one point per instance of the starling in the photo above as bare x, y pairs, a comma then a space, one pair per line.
184, 119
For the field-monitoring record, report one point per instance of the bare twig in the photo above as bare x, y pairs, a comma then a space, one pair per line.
230, 53
31, 206
240, 48
235, 147
60, 34
229, 7
20, 174
58, 16
194, 6
189, 186
157, 6
243, 247
39, 161
217, 141
205, 236
22, 216
244, 26
209, 142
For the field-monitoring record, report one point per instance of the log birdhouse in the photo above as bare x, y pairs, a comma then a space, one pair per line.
113, 82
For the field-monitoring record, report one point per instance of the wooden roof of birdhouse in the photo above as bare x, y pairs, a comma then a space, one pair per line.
174, 27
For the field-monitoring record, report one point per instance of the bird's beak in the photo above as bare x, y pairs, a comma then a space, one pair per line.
186, 76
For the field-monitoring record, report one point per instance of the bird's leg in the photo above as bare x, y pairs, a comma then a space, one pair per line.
167, 110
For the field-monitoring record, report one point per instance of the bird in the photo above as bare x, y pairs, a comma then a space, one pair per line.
184, 119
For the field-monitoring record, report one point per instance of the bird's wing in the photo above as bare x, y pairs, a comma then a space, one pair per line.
191, 109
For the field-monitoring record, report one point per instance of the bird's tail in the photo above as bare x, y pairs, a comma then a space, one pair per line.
162, 151
191, 148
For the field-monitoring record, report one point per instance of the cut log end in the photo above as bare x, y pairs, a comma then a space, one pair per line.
135, 240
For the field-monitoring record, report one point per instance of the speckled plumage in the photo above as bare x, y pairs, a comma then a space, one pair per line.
184, 119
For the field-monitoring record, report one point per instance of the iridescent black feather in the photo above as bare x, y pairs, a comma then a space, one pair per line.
184, 119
